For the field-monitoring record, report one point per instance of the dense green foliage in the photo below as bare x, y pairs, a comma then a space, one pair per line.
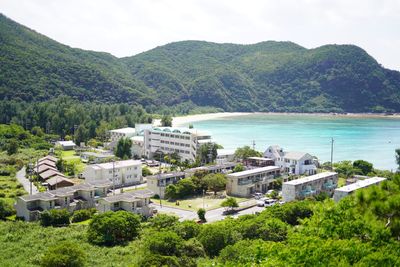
65, 254
230, 202
243, 153
5, 209
123, 149
55, 217
113, 228
183, 76
215, 182
82, 215
360, 230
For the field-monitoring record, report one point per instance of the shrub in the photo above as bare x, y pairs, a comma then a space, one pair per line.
2, 194
64, 254
5, 209
55, 218
113, 228
82, 215
187, 229
163, 221
166, 243
202, 215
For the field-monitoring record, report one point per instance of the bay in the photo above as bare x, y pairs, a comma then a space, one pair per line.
370, 138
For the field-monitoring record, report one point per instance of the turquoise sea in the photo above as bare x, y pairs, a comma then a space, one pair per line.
371, 139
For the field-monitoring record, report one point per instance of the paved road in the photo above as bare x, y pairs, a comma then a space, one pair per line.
211, 215
25, 182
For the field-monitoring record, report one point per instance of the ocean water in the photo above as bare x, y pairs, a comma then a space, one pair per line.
371, 139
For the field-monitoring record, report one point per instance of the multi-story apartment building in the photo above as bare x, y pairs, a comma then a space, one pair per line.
310, 186
157, 183
183, 141
246, 183
126, 172
344, 191
293, 162
72, 198
258, 162
135, 202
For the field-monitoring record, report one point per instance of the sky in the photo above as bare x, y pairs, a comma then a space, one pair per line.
128, 27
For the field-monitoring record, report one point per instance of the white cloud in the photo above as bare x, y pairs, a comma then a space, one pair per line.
125, 28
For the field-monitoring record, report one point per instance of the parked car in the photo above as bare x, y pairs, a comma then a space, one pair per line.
258, 195
270, 202
261, 202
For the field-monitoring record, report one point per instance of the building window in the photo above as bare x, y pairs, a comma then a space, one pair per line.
65, 200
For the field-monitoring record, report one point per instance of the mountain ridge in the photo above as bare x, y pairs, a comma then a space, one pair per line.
266, 76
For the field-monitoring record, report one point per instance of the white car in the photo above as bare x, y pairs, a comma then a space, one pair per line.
258, 195
270, 202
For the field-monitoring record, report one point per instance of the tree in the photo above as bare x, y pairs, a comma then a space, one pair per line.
166, 243
163, 221
202, 215
215, 182
207, 153
55, 218
243, 153
63, 254
185, 187
12, 147
113, 228
345, 168
123, 150
146, 171
364, 166
230, 202
238, 168
82, 215
187, 229
81, 134
166, 120
398, 157
171, 192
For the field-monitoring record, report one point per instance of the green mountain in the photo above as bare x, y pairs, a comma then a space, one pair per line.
268, 76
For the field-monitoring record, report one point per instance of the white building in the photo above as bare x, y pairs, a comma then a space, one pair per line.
136, 202
183, 141
349, 189
293, 162
246, 183
117, 134
82, 196
310, 186
66, 145
137, 146
159, 182
126, 172
225, 155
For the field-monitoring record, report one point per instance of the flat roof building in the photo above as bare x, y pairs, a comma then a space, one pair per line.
349, 189
310, 186
246, 183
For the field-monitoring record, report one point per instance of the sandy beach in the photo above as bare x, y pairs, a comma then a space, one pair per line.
181, 120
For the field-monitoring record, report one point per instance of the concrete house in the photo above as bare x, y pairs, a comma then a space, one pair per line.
135, 202
293, 162
92, 157
344, 191
157, 183
246, 183
310, 186
258, 162
126, 172
183, 141
72, 198
218, 168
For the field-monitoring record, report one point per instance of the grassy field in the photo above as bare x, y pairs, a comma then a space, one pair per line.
72, 158
195, 203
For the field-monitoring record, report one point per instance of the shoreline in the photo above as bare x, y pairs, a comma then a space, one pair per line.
180, 120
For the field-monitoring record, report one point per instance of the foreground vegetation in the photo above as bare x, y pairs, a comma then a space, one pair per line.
361, 230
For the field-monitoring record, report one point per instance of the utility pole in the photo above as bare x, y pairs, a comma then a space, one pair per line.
113, 178
332, 140
30, 168
254, 145
159, 178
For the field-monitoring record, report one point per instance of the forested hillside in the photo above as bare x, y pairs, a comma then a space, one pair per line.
268, 76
